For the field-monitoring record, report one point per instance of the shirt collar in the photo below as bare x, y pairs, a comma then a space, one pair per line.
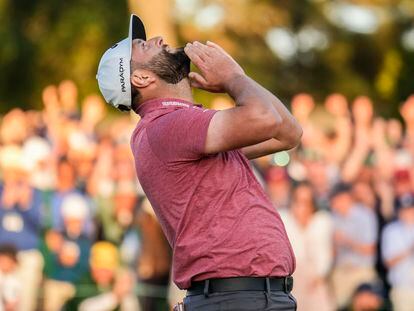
164, 104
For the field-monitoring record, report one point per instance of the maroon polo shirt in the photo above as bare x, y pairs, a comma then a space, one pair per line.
214, 213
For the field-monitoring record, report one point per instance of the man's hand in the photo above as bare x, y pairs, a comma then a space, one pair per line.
258, 117
341, 239
217, 67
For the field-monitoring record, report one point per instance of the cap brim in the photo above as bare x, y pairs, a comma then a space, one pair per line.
136, 28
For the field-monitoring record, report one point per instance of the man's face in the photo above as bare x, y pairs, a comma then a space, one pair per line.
66, 176
341, 203
73, 226
7, 264
103, 277
171, 65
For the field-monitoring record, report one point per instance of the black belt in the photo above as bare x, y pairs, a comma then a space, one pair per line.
241, 284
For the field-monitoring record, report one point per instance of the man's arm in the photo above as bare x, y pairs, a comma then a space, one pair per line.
269, 146
359, 247
394, 247
287, 138
258, 118
398, 258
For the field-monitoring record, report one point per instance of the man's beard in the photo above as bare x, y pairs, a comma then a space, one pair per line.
171, 67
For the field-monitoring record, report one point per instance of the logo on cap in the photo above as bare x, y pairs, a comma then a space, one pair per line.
121, 74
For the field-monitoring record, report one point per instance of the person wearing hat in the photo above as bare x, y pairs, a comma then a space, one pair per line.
66, 253
10, 283
398, 253
229, 244
66, 186
108, 287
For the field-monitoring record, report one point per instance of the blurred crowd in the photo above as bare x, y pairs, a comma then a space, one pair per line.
347, 200
77, 232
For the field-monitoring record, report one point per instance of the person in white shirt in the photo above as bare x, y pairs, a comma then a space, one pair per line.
355, 239
311, 234
398, 254
10, 286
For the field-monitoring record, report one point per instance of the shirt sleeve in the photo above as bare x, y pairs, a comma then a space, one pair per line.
180, 136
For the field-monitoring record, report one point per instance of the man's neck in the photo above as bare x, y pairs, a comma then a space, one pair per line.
181, 90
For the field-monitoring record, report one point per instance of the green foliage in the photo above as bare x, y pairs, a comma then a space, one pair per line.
373, 64
47, 41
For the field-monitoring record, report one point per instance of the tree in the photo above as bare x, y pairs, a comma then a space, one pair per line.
52, 40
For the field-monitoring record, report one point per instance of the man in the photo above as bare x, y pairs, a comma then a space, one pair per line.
66, 253
230, 248
354, 248
369, 296
66, 186
21, 223
10, 283
107, 286
310, 231
398, 253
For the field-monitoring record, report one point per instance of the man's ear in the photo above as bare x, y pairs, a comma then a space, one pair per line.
142, 78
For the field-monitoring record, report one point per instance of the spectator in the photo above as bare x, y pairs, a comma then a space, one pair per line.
340, 142
67, 254
278, 186
407, 113
93, 111
10, 283
395, 133
311, 233
101, 283
20, 222
66, 185
68, 97
103, 263
369, 296
154, 263
355, 237
117, 219
38, 153
49, 156
121, 296
13, 129
398, 253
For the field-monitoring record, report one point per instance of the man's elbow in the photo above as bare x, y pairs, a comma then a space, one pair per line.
294, 137
270, 121
298, 132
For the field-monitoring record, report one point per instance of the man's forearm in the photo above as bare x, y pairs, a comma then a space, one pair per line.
248, 93
245, 91
398, 258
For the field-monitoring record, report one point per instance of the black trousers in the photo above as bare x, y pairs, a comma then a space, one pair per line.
242, 300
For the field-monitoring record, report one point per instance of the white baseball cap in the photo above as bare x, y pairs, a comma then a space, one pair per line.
74, 205
114, 68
